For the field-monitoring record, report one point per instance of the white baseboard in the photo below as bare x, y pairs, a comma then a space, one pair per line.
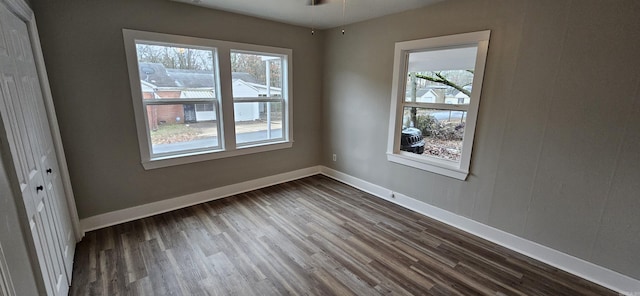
167, 205
579, 267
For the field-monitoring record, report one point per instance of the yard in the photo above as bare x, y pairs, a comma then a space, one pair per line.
187, 132
183, 132
446, 149
443, 133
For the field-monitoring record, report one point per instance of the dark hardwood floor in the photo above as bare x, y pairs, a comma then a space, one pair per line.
314, 236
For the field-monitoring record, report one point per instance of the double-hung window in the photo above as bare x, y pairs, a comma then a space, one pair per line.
435, 98
260, 99
197, 99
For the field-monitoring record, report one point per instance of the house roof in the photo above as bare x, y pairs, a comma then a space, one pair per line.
197, 93
263, 88
158, 75
246, 77
192, 78
461, 95
421, 92
147, 87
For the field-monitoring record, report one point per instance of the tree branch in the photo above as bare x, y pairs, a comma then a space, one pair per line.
443, 80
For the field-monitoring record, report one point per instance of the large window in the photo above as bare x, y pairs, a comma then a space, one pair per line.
198, 99
436, 94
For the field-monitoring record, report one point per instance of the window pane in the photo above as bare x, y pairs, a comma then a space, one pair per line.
432, 132
442, 76
256, 75
258, 121
171, 71
181, 128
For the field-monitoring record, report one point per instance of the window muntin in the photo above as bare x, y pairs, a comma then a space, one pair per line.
258, 100
436, 93
185, 101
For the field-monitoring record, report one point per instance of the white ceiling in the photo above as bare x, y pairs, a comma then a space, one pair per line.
325, 16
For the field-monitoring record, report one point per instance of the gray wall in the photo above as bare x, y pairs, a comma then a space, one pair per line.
556, 155
85, 59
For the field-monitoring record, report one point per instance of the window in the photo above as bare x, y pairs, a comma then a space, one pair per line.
258, 104
189, 109
436, 93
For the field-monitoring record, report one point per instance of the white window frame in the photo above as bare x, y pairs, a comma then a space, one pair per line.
458, 170
224, 99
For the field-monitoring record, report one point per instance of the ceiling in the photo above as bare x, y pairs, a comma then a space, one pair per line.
325, 16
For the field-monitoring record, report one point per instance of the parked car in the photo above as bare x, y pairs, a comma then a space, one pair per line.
411, 140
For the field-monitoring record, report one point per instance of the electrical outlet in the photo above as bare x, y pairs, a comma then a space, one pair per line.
335, 157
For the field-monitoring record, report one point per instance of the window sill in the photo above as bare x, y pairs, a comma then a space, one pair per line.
425, 164
167, 161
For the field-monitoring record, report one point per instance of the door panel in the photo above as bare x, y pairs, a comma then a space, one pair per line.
52, 180
9, 90
24, 115
6, 286
48, 236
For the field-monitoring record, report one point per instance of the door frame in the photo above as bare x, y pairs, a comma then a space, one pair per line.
22, 10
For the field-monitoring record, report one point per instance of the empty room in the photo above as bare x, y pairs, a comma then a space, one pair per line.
320, 147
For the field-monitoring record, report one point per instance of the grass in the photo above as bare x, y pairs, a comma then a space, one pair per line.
180, 132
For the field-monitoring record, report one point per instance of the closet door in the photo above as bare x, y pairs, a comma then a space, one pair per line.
22, 111
49, 165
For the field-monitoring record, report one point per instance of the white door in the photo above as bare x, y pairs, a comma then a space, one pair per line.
26, 124
52, 179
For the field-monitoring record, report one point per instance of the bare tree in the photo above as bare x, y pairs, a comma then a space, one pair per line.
443, 77
176, 57
254, 65
456, 79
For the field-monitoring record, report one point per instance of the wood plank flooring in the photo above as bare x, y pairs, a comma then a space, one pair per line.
313, 236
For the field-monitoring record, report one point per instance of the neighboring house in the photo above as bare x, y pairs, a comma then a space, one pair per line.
245, 111
156, 74
250, 111
460, 98
161, 83
425, 95
442, 95
203, 112
157, 115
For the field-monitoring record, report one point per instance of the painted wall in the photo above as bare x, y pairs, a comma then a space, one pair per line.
84, 54
556, 155
556, 158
